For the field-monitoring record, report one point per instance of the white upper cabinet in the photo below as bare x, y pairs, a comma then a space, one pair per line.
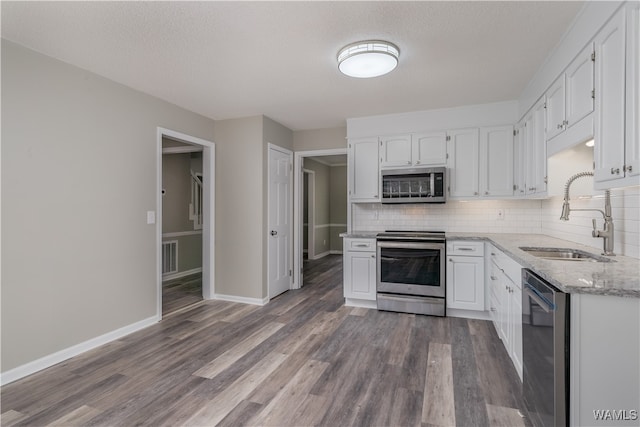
632, 145
556, 108
580, 86
519, 152
395, 151
429, 149
609, 151
364, 173
496, 161
420, 149
536, 160
570, 97
463, 147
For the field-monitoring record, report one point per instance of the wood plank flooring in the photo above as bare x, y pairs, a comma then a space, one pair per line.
180, 293
303, 359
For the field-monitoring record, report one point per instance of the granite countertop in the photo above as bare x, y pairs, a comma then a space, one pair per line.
618, 278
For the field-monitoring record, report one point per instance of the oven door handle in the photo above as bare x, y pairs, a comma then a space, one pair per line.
411, 245
535, 295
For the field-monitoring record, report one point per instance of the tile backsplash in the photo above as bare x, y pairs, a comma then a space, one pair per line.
519, 216
625, 210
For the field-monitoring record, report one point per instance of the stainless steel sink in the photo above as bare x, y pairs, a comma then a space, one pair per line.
564, 254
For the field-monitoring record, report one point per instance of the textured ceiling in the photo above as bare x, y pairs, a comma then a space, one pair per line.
236, 59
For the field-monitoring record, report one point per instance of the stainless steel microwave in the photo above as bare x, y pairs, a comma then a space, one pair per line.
417, 185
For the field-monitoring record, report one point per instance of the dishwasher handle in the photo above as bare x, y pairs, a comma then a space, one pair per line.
542, 301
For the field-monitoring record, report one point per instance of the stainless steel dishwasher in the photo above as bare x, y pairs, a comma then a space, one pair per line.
545, 346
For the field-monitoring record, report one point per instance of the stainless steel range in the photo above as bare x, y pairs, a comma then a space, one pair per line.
411, 272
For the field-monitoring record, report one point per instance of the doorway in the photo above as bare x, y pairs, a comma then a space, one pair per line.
320, 185
184, 221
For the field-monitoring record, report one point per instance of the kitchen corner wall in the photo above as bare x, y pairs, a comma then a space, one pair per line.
480, 216
625, 207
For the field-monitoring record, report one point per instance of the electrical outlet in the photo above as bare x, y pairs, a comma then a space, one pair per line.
500, 215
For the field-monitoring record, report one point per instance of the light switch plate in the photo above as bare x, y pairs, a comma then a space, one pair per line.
151, 217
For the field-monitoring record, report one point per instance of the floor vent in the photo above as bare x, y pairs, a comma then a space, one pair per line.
169, 257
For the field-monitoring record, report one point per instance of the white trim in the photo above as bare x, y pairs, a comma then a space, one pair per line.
331, 165
321, 255
354, 302
243, 300
468, 314
289, 153
330, 225
181, 150
181, 233
180, 274
311, 209
67, 353
208, 212
297, 206
335, 252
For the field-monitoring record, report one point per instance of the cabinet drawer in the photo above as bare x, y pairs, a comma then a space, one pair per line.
509, 267
360, 245
465, 248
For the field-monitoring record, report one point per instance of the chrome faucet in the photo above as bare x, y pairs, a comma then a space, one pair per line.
607, 232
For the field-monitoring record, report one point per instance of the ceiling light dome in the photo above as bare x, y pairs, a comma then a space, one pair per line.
369, 58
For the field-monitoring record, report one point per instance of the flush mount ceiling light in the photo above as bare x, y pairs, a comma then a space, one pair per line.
368, 58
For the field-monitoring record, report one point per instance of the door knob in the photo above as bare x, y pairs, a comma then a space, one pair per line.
274, 232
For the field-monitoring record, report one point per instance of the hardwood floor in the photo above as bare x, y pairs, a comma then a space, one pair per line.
180, 293
303, 359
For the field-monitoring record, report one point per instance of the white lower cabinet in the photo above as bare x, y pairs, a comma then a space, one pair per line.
360, 272
506, 304
465, 275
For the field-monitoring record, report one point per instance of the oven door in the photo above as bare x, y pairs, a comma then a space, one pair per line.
411, 268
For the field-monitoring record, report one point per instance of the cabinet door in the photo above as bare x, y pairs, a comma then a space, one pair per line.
632, 144
395, 151
519, 159
465, 283
580, 86
538, 159
515, 323
496, 161
463, 148
556, 107
429, 149
364, 173
610, 100
360, 275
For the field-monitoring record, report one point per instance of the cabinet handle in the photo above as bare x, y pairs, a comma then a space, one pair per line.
559, 126
486, 193
409, 162
565, 122
373, 256
628, 168
475, 193
465, 249
375, 196
417, 162
494, 278
450, 260
615, 171
493, 254
493, 309
362, 245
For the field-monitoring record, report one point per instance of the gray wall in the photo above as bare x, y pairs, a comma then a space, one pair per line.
176, 181
78, 176
337, 205
321, 210
320, 139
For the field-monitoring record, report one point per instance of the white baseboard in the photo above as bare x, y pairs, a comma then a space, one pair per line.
353, 302
62, 355
468, 314
335, 252
243, 300
180, 274
322, 255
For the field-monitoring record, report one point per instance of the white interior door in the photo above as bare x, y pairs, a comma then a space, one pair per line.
280, 224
